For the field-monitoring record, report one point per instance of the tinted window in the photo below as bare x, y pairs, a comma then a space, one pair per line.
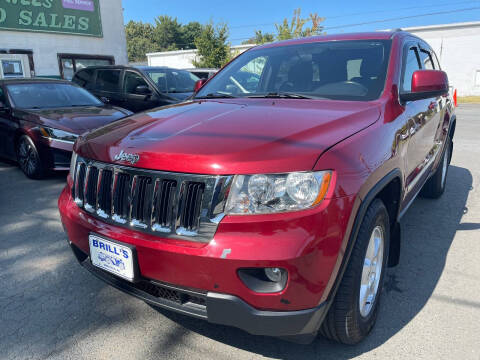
426, 60
343, 70
132, 80
108, 80
44, 95
84, 78
172, 81
411, 65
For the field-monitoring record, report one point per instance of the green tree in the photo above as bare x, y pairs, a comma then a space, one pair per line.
168, 33
189, 33
260, 38
295, 27
140, 40
213, 50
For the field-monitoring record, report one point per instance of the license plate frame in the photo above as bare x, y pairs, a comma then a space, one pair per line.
111, 257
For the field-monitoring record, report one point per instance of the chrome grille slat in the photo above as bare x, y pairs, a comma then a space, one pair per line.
172, 205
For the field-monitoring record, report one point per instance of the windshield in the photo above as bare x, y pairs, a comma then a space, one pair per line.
172, 81
340, 70
50, 95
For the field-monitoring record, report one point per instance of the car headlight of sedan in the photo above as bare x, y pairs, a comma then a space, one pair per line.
271, 193
56, 134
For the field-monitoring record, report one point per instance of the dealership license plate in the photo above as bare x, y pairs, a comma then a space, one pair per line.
112, 257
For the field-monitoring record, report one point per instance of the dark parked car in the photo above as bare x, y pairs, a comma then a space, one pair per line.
137, 88
272, 207
40, 120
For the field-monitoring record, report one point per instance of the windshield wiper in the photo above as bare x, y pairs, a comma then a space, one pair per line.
283, 95
216, 95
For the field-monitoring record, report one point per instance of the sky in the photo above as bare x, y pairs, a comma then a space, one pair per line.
245, 16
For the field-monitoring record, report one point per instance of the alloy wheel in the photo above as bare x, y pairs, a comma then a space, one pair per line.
372, 271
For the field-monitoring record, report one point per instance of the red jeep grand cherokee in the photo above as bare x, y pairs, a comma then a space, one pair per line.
271, 200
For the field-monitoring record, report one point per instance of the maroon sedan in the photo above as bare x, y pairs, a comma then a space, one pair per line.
40, 120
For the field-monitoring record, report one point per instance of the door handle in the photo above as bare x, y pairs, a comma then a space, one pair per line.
404, 135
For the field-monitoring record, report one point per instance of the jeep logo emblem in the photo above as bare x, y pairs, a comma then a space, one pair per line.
123, 156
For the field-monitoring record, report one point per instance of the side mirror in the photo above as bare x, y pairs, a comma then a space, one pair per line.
143, 90
427, 84
199, 84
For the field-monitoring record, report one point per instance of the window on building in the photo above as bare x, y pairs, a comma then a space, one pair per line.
12, 68
108, 80
70, 64
477, 78
412, 64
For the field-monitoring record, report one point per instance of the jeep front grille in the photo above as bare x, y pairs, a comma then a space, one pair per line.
184, 206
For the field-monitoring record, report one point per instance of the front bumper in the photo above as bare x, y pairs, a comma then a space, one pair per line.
55, 155
307, 244
214, 307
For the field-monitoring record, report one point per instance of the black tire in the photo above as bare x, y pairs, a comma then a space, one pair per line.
28, 158
344, 322
435, 186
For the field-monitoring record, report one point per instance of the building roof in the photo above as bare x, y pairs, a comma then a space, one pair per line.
32, 80
443, 26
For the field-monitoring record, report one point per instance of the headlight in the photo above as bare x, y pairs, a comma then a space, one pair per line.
270, 193
73, 162
56, 134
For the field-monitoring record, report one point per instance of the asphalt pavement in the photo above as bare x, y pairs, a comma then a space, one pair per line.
51, 308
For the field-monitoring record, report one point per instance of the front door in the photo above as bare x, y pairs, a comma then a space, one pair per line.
133, 100
423, 122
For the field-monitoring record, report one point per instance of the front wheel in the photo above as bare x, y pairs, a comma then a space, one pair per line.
354, 310
28, 158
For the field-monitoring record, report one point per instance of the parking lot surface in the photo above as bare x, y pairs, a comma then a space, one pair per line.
52, 308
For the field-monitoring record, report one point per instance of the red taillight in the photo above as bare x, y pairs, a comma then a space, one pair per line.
455, 98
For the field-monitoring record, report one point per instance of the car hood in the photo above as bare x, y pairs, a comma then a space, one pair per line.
235, 136
76, 120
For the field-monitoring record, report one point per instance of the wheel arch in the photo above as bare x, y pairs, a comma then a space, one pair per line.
390, 183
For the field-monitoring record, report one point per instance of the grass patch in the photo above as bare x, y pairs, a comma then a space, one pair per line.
468, 99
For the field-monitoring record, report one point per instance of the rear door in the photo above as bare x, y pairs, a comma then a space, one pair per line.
107, 86
133, 100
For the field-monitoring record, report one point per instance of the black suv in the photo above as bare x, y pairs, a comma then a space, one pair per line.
137, 88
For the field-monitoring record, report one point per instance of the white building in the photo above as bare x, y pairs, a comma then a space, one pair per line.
54, 38
458, 49
183, 59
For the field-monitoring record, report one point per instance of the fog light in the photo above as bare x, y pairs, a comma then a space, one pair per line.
274, 274
264, 280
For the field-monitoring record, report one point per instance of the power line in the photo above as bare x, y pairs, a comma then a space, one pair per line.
373, 21
328, 17
387, 20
